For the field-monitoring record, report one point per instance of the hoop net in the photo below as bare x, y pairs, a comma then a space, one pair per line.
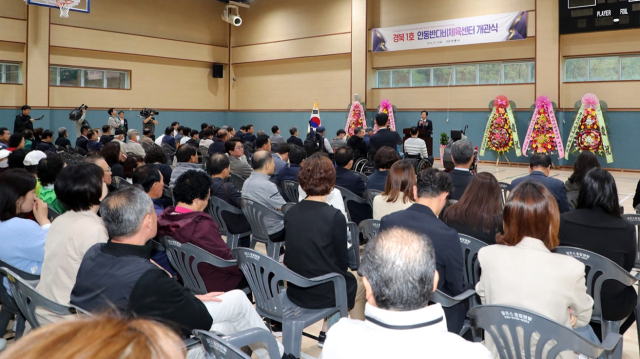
65, 6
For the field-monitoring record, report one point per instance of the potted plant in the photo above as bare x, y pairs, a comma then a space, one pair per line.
444, 140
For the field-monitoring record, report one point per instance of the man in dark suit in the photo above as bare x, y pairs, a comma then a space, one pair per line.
81, 142
352, 182
62, 139
218, 142
357, 144
106, 135
539, 168
249, 136
425, 123
384, 136
432, 188
46, 144
294, 140
462, 156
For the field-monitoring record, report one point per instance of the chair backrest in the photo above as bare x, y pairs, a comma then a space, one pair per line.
227, 347
215, 209
504, 324
81, 151
185, 257
362, 175
28, 299
122, 182
286, 207
167, 195
369, 229
256, 213
370, 194
290, 189
146, 146
349, 196
635, 220
237, 181
572, 197
52, 214
470, 247
598, 269
169, 151
353, 243
505, 188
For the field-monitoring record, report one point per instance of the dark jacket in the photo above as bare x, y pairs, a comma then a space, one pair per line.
611, 237
428, 126
359, 147
289, 173
636, 198
295, 141
166, 171
94, 146
193, 142
22, 122
170, 140
104, 139
384, 137
81, 142
248, 137
122, 276
199, 229
354, 183
227, 192
459, 182
63, 142
446, 244
46, 146
377, 180
216, 147
554, 185
477, 233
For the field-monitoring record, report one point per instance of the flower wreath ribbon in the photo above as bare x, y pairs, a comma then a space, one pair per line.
502, 101
590, 101
543, 102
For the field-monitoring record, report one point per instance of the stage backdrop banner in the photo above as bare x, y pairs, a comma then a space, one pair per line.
467, 31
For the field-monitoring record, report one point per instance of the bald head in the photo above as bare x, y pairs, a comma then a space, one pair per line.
399, 266
222, 134
261, 161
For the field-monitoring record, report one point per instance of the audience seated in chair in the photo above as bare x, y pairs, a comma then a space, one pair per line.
294, 140
462, 156
120, 270
112, 154
187, 222
129, 165
100, 162
16, 141
62, 139
297, 155
22, 244
539, 169
316, 241
586, 161
187, 157
596, 225
398, 191
357, 144
259, 188
217, 146
94, 144
431, 191
150, 179
399, 322
219, 169
352, 182
239, 164
134, 145
46, 144
48, 170
156, 156
99, 338
521, 270
82, 140
281, 156
415, 147
478, 213
80, 188
385, 158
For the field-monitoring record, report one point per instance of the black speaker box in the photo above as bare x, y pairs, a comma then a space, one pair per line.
217, 71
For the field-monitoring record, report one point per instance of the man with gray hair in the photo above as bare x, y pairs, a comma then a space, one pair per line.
398, 270
462, 156
62, 140
134, 145
119, 274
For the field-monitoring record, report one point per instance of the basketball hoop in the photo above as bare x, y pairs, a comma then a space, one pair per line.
65, 6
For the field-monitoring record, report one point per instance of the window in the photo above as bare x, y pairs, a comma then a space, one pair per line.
10, 73
462, 74
93, 78
603, 68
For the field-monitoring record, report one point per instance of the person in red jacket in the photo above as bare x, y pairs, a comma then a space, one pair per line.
187, 223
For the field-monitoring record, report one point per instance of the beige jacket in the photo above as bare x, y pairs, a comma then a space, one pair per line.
69, 238
531, 277
381, 207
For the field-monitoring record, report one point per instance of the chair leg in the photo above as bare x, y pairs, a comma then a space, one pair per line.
5, 318
20, 326
254, 241
292, 337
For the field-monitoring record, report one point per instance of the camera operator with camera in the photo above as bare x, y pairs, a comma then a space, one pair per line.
149, 122
78, 116
24, 121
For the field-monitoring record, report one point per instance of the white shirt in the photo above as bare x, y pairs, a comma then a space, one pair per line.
376, 337
184, 140
416, 146
159, 140
206, 142
334, 199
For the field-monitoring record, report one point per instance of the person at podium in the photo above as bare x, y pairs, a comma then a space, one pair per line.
425, 123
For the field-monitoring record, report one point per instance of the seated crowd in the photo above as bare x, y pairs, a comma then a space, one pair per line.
129, 190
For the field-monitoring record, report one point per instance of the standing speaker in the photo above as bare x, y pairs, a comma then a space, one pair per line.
217, 71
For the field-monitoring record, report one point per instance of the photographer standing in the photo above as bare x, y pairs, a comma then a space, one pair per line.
24, 120
79, 121
149, 123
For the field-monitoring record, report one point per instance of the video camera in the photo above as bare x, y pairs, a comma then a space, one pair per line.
76, 114
146, 112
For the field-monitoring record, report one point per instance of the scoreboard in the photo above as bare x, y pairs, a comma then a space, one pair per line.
577, 16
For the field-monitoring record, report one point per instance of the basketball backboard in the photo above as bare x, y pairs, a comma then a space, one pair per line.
78, 5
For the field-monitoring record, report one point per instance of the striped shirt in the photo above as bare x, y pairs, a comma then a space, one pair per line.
416, 146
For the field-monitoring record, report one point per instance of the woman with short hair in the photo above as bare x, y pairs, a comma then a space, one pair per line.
398, 190
521, 271
385, 158
595, 225
316, 241
478, 213
113, 157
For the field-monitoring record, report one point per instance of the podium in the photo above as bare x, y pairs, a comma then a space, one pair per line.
423, 134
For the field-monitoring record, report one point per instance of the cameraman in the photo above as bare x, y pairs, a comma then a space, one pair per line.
149, 123
24, 120
81, 121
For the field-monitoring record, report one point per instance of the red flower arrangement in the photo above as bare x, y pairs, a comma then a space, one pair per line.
588, 137
543, 138
500, 135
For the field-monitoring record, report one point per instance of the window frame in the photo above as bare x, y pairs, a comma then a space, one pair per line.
619, 57
83, 70
3, 73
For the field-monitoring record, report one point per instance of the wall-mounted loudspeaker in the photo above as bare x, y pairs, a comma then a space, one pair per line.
217, 71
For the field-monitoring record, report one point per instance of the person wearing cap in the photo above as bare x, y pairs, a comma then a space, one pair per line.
327, 145
23, 121
114, 121
134, 145
30, 162
119, 139
4, 160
